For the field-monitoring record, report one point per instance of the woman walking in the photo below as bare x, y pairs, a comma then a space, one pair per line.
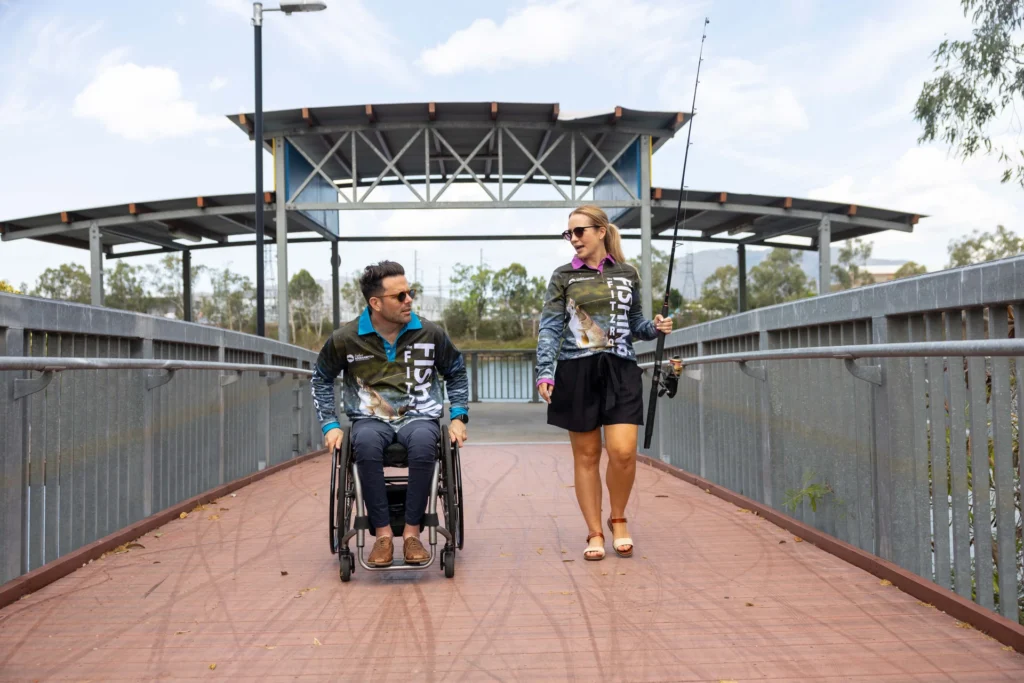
592, 313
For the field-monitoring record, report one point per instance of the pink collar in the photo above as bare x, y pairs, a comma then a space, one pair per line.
578, 263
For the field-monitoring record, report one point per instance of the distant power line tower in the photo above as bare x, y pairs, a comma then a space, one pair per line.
270, 282
689, 281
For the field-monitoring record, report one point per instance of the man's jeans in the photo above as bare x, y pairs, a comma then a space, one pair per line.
369, 439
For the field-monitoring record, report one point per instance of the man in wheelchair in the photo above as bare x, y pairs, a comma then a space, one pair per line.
393, 362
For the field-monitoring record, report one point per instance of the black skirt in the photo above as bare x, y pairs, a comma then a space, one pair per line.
601, 389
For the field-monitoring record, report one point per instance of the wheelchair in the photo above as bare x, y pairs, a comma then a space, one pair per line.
348, 516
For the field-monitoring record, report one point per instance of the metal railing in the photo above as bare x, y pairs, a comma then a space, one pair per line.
912, 454
502, 375
107, 417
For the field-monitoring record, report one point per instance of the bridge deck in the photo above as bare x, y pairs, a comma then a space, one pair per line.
712, 594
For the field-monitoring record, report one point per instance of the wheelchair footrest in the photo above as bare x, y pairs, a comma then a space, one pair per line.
361, 523
430, 520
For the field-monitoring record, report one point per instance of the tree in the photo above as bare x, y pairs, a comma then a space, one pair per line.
126, 289
719, 293
515, 292
848, 272
778, 279
231, 304
471, 286
166, 278
5, 286
909, 269
67, 282
979, 80
980, 247
305, 298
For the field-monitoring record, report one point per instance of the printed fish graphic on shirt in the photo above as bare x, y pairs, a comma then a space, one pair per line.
588, 333
372, 403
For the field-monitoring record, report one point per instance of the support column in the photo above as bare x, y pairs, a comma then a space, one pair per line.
824, 255
282, 240
741, 267
335, 285
96, 261
149, 428
645, 226
186, 281
13, 446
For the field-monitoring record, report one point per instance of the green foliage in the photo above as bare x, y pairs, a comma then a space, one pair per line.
67, 282
848, 272
909, 269
779, 279
980, 247
166, 280
977, 82
126, 288
5, 286
812, 491
719, 293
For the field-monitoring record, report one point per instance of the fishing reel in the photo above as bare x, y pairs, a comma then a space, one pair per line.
669, 383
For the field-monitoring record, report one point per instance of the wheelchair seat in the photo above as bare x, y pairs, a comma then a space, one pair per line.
395, 455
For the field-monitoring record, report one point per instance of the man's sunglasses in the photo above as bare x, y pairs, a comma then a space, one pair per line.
578, 232
401, 295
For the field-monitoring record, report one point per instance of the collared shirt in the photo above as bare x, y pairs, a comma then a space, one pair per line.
588, 311
393, 382
578, 263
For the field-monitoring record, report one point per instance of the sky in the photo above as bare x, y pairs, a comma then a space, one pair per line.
114, 102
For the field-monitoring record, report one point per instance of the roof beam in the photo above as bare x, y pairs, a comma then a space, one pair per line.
758, 210
128, 234
311, 121
190, 228
731, 224
590, 155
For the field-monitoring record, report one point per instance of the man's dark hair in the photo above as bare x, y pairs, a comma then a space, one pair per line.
373, 276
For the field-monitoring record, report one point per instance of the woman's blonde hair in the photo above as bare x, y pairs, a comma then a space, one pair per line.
612, 239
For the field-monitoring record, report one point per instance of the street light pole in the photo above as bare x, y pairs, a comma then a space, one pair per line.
288, 8
257, 23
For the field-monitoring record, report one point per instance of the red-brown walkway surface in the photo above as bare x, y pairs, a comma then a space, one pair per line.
712, 594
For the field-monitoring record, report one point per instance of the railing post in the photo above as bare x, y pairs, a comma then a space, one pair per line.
474, 397
221, 418
13, 444
297, 413
764, 344
149, 420
700, 419
265, 387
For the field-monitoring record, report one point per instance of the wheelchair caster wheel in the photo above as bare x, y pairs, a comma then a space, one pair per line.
448, 562
348, 564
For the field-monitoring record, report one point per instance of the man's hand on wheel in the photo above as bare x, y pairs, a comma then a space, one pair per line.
457, 431
332, 439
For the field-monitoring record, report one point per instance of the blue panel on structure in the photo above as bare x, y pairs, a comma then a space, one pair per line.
296, 170
608, 187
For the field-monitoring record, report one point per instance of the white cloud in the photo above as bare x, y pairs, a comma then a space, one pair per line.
559, 32
142, 103
58, 47
738, 100
957, 197
217, 83
345, 30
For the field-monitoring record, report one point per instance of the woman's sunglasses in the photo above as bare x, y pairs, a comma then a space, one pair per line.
401, 295
578, 232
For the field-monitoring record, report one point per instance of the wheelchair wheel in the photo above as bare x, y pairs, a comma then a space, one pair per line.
342, 500
448, 500
448, 562
331, 523
348, 563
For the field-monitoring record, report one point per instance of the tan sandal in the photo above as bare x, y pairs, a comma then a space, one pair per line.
594, 556
618, 543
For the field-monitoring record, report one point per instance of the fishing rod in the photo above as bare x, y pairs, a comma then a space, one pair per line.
659, 388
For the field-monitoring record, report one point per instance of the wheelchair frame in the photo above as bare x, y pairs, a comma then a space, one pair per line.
348, 516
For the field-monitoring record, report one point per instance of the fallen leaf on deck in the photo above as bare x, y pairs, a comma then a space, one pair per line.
781, 542
604, 573
622, 573
1008, 648
707, 490
304, 591
181, 633
284, 573
316, 642
212, 667
744, 510
661, 495
797, 539
199, 508
726, 680
505, 555
749, 604
565, 552
961, 624
214, 518
568, 560
183, 515
224, 509
270, 647
925, 604
540, 551
885, 582
233, 495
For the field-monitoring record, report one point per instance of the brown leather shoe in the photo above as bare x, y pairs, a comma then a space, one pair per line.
383, 553
414, 551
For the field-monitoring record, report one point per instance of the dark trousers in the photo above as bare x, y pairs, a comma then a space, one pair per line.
369, 439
